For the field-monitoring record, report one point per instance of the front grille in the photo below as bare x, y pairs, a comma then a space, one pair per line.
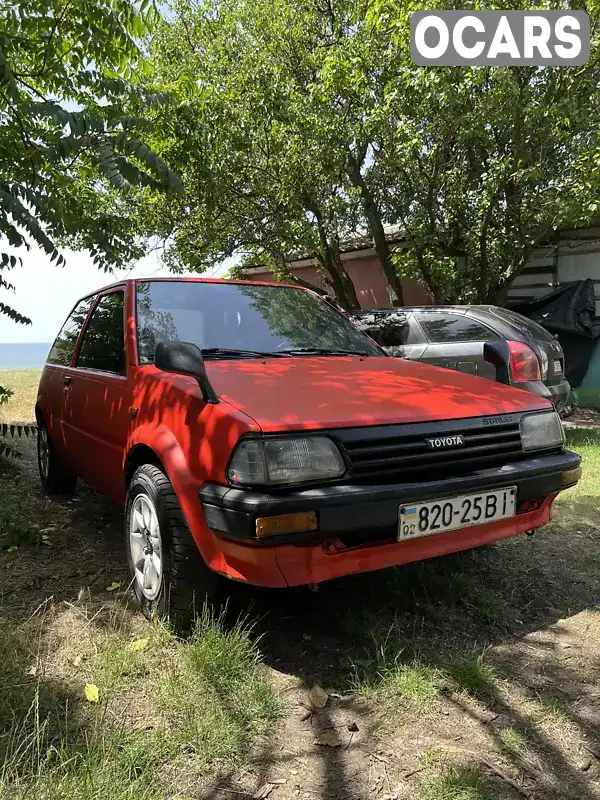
394, 453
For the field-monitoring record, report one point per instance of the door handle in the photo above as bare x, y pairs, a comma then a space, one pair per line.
67, 380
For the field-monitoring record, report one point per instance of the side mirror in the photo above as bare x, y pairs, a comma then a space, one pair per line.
185, 358
498, 354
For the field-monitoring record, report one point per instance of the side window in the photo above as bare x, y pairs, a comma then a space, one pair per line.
103, 345
388, 330
63, 348
447, 328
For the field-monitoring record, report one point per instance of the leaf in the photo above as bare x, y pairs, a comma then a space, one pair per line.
113, 586
92, 693
318, 696
139, 644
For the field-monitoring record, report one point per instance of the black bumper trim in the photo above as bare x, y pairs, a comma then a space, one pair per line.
232, 513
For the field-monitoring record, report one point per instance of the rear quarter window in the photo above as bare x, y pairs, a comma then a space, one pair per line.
523, 324
453, 328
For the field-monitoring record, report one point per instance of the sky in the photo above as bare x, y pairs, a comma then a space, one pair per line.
46, 293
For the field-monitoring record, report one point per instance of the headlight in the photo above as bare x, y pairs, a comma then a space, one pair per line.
285, 460
541, 431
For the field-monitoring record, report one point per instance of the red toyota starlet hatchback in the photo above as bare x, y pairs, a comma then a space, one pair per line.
251, 431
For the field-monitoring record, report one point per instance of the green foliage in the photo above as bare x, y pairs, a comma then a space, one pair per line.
17, 524
164, 712
296, 125
70, 138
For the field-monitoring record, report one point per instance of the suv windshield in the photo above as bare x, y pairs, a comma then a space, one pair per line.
244, 319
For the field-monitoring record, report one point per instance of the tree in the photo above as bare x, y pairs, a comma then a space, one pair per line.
300, 123
71, 133
482, 165
260, 180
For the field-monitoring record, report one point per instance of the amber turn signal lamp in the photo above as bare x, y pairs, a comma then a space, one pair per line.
286, 523
571, 476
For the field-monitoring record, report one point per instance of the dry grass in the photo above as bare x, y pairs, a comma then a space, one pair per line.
24, 384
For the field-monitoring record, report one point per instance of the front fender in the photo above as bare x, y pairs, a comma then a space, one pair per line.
161, 440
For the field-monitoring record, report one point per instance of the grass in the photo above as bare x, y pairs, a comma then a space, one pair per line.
454, 782
166, 710
514, 742
475, 677
24, 385
18, 521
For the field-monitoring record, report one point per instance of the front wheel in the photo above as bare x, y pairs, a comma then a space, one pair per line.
54, 474
170, 578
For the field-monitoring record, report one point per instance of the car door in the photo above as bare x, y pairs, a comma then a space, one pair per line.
456, 341
98, 397
53, 388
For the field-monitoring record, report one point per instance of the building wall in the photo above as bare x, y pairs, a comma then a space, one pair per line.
368, 279
576, 256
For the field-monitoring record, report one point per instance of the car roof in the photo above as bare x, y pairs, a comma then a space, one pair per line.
189, 279
404, 309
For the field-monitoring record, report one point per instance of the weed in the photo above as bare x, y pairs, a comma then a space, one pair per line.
514, 741
476, 678
552, 708
450, 782
17, 521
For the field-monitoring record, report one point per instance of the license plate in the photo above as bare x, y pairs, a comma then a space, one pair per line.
439, 516
557, 367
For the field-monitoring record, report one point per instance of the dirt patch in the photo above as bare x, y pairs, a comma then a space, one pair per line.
583, 418
480, 670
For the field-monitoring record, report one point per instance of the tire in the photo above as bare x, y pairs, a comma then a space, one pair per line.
55, 476
176, 585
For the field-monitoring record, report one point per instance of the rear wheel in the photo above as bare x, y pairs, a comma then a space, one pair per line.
170, 578
54, 474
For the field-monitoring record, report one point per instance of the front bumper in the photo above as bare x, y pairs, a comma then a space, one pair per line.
357, 525
346, 509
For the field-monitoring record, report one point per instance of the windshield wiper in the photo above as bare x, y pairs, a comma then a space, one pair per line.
225, 352
322, 351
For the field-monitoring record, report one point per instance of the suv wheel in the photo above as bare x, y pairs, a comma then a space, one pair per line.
170, 578
54, 475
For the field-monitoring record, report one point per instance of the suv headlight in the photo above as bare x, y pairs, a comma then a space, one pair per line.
541, 431
285, 460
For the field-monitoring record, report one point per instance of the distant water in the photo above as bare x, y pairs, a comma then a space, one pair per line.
23, 356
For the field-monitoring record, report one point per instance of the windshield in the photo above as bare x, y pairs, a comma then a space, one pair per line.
263, 320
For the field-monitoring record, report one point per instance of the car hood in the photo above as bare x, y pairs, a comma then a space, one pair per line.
339, 391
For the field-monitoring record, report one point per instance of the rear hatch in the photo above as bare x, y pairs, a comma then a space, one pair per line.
544, 342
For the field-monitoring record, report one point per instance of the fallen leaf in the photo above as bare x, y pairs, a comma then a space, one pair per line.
328, 739
76, 661
318, 696
114, 586
92, 693
12, 549
139, 644
264, 791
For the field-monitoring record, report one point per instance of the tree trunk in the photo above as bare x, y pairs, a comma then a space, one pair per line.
377, 232
332, 263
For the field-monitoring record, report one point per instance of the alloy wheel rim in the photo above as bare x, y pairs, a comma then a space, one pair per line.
145, 544
44, 452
